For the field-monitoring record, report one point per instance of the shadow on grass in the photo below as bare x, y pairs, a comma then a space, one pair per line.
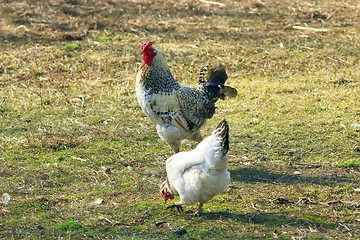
271, 220
252, 175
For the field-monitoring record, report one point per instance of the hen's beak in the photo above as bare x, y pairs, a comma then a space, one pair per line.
142, 52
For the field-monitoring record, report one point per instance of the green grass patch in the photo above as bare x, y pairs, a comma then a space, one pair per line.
106, 37
70, 225
349, 163
117, 37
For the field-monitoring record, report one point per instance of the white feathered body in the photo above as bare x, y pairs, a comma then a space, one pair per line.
198, 175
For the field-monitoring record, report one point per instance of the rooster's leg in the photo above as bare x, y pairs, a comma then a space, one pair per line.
200, 139
198, 212
178, 206
175, 148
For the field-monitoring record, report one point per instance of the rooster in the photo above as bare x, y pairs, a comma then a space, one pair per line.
178, 111
198, 175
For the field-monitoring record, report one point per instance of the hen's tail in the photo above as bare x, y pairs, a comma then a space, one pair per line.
222, 131
213, 80
215, 147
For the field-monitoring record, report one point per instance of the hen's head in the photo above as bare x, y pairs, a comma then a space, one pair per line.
149, 52
165, 194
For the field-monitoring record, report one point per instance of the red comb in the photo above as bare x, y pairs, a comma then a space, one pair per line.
145, 46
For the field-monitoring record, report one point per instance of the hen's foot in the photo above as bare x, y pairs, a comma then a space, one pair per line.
198, 212
179, 207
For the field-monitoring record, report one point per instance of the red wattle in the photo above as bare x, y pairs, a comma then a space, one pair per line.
148, 57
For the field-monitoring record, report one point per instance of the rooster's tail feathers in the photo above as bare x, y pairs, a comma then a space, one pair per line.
229, 91
202, 76
215, 77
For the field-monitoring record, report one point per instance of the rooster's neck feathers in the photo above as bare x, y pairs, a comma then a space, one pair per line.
156, 76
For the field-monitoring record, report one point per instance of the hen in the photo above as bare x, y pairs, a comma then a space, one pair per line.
199, 175
178, 111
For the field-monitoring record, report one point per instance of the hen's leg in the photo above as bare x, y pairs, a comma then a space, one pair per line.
198, 212
200, 139
176, 205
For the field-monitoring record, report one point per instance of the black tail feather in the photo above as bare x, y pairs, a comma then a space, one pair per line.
212, 79
223, 127
217, 74
209, 75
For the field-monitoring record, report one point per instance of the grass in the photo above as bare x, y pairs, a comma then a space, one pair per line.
350, 163
70, 48
71, 130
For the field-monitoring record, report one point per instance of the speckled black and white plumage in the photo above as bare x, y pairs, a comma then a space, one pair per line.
178, 111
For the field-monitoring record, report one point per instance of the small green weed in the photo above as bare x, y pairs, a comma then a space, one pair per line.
117, 37
104, 37
71, 47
